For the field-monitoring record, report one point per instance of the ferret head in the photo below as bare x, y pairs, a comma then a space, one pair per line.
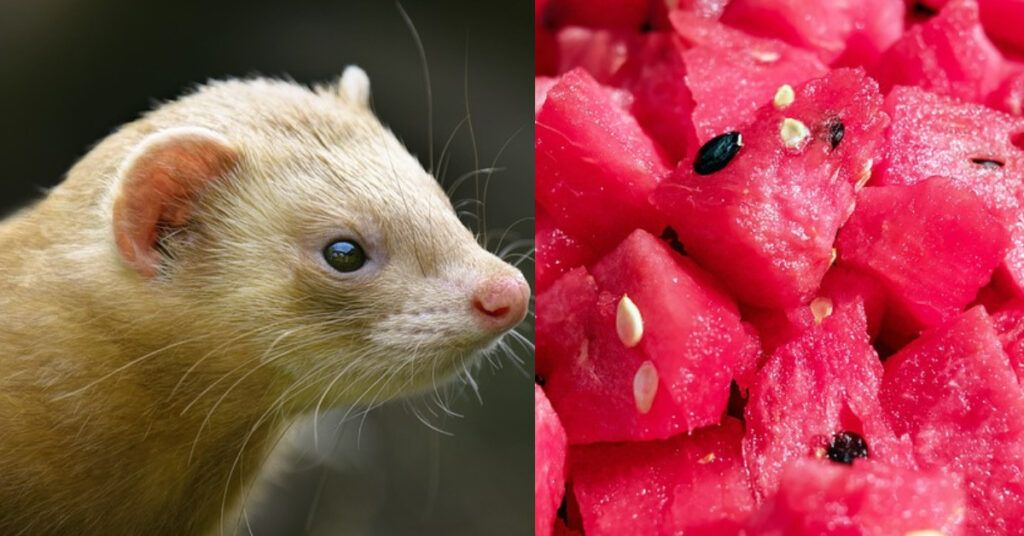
308, 238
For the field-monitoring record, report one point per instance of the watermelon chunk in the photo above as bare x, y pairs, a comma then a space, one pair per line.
766, 222
663, 104
954, 392
556, 252
948, 55
593, 158
1009, 96
672, 377
920, 145
689, 484
1009, 323
834, 365
932, 245
549, 469
870, 499
731, 74
859, 29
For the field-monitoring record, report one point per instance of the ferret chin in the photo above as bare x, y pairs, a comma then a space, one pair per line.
206, 274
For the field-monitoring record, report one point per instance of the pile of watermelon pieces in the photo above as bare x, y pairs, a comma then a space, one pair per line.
780, 267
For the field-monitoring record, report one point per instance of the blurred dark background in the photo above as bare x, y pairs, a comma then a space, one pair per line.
71, 72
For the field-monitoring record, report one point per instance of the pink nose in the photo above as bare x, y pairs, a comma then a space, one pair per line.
500, 303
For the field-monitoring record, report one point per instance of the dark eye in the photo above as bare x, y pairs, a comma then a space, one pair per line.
345, 256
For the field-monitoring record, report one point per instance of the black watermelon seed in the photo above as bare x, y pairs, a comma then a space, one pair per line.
669, 235
987, 162
923, 10
845, 446
539, 380
717, 152
835, 132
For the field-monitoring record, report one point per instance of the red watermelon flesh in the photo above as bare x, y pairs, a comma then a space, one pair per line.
841, 288
541, 86
549, 467
817, 26
708, 9
663, 103
954, 392
924, 140
565, 320
870, 498
823, 383
611, 57
620, 14
932, 245
1009, 323
766, 222
688, 484
677, 375
948, 55
593, 158
731, 74
1009, 96
556, 252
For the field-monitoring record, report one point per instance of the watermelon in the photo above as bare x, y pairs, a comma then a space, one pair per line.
673, 376
931, 245
593, 158
731, 74
688, 484
987, 162
853, 32
956, 395
834, 365
776, 296
948, 55
549, 453
870, 498
764, 224
1009, 324
556, 252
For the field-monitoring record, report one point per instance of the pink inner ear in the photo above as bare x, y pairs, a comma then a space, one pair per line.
158, 190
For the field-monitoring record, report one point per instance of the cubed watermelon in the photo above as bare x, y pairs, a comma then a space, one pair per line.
869, 499
953, 391
663, 104
655, 356
852, 32
932, 245
1009, 324
593, 158
1009, 96
833, 365
984, 159
549, 467
764, 221
556, 252
689, 484
731, 74
949, 55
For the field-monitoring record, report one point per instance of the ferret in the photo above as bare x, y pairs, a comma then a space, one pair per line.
252, 252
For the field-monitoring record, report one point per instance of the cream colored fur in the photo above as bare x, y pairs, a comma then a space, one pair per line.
133, 405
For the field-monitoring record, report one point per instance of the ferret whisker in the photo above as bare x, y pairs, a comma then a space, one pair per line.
469, 175
444, 156
469, 123
426, 81
487, 177
124, 367
515, 243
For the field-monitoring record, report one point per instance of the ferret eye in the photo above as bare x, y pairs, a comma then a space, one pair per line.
345, 256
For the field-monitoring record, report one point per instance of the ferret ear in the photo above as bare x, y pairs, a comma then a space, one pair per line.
158, 183
354, 86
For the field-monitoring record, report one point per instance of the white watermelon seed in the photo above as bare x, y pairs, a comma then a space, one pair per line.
710, 457
821, 308
765, 56
793, 132
784, 96
628, 322
645, 386
864, 176
832, 259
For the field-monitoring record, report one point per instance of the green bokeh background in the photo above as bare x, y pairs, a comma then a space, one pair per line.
72, 71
